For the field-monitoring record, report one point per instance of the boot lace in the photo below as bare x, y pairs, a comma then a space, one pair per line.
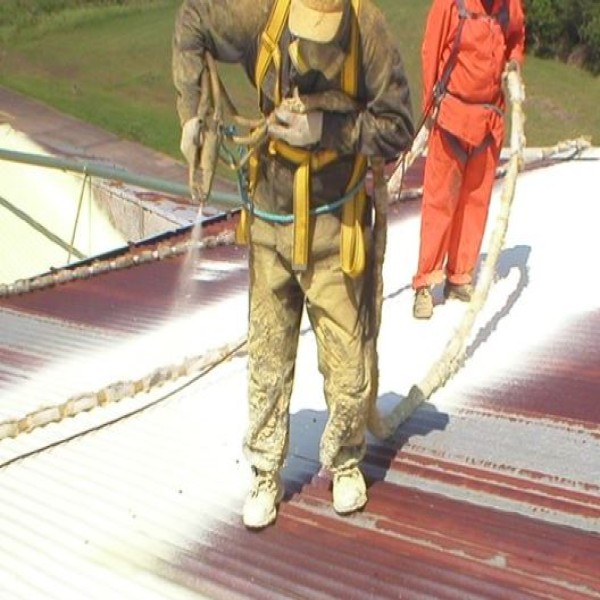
263, 482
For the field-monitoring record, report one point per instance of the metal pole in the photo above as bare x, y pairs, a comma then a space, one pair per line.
95, 169
39, 227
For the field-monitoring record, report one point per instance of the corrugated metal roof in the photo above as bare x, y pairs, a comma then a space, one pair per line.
491, 490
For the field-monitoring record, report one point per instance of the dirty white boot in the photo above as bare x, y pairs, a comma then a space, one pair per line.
260, 507
423, 305
462, 292
349, 490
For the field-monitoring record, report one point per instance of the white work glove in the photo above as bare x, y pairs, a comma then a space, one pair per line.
513, 65
190, 140
297, 129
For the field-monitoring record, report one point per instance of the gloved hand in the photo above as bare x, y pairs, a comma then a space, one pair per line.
430, 119
297, 129
513, 65
191, 141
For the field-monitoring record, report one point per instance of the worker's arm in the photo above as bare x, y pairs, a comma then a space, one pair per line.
385, 127
228, 29
436, 47
515, 37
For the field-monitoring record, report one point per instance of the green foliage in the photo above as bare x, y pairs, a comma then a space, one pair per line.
590, 35
22, 12
565, 29
17, 15
543, 26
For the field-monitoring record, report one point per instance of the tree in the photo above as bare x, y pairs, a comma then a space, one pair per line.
565, 29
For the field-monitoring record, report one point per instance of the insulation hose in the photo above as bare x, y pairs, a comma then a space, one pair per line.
450, 360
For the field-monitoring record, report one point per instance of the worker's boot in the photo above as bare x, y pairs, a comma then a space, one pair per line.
462, 292
349, 490
260, 507
423, 306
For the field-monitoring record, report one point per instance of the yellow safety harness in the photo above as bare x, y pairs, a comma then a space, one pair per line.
352, 246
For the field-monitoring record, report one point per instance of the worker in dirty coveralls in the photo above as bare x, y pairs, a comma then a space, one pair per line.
466, 48
313, 49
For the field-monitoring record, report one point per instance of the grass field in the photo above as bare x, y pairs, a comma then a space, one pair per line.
110, 65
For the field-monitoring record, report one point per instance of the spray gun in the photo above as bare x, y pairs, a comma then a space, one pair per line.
208, 136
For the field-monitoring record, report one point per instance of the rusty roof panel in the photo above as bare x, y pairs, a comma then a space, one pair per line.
139, 297
560, 378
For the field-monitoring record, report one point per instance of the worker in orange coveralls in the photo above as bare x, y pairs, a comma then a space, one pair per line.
468, 45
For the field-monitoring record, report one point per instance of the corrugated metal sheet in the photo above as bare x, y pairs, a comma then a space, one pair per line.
491, 490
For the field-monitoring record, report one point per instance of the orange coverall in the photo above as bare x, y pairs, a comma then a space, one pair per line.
468, 131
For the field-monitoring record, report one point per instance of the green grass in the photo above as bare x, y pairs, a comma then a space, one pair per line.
111, 65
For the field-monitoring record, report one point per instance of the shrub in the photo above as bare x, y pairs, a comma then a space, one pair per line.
565, 29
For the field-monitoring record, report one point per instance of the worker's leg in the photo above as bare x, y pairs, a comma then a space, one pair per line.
333, 303
441, 187
471, 214
276, 303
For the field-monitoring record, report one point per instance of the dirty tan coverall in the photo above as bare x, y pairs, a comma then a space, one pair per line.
335, 303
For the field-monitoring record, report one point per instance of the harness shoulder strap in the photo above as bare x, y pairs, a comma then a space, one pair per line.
352, 243
502, 16
351, 64
463, 13
440, 87
268, 50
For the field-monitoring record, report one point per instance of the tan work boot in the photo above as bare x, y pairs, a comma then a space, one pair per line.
423, 306
349, 490
260, 507
462, 292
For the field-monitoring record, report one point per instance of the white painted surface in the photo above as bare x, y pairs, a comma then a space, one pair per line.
51, 198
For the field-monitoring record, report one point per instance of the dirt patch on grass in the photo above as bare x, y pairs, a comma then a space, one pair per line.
18, 63
546, 107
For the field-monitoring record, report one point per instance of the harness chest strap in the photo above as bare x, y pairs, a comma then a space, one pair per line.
351, 236
307, 162
352, 246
